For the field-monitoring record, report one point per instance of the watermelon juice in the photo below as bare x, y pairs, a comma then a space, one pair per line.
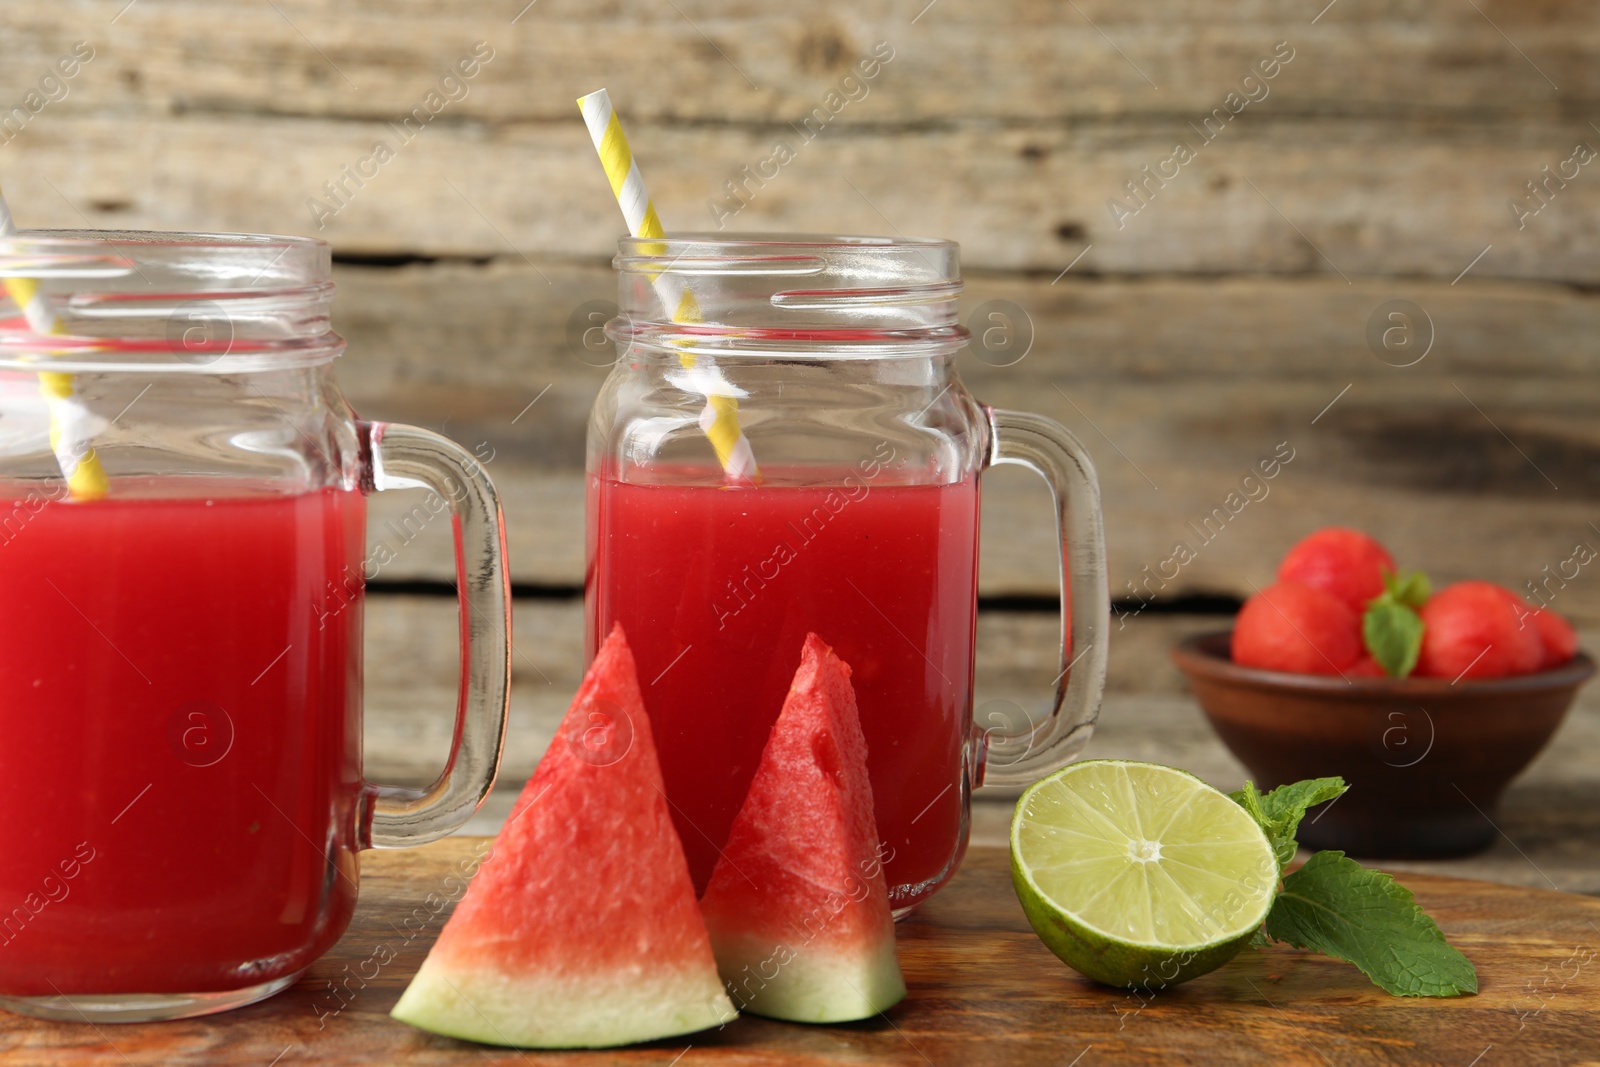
717, 587
179, 741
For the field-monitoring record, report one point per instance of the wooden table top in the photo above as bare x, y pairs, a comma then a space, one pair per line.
983, 990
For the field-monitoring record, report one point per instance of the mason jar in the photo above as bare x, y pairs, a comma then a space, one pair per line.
784, 447
182, 564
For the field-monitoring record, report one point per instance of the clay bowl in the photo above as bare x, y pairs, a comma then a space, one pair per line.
1426, 760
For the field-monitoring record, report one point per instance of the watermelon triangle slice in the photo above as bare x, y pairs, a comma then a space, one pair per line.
580, 930
797, 905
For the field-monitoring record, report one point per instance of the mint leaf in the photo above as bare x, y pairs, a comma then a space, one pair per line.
1288, 804
1412, 590
1335, 906
1249, 798
1392, 631
1279, 812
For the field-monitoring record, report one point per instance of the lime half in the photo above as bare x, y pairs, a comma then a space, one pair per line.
1139, 875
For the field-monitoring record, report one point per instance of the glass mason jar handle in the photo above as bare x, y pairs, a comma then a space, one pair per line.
1019, 755
405, 457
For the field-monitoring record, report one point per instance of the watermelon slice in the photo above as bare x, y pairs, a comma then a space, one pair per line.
580, 930
797, 906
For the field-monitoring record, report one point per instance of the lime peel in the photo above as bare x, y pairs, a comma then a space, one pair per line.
1139, 875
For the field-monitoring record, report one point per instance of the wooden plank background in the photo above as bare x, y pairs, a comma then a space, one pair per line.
1218, 321
1183, 342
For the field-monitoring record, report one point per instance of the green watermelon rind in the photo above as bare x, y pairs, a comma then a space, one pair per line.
497, 1009
809, 984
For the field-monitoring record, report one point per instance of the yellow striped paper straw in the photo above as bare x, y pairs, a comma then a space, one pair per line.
69, 440
720, 419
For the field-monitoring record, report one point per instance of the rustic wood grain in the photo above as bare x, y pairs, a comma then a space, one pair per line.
982, 990
1549, 822
1012, 60
1393, 139
1482, 460
1329, 197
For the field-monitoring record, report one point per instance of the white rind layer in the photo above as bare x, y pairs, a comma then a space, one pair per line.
809, 983
569, 1012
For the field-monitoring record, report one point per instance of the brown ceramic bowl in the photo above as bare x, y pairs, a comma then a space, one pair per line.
1426, 759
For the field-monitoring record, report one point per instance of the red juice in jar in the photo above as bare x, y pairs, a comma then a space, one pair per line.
717, 586
179, 698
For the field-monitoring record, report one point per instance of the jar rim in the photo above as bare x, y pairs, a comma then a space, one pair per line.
937, 259
155, 301
789, 295
778, 237
52, 253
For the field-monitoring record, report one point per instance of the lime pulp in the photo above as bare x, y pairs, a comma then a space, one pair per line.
1139, 875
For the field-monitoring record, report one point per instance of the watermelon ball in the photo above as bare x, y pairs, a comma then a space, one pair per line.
1297, 628
1341, 561
1476, 630
1560, 640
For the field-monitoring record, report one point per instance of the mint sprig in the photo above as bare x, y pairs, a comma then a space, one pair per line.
1411, 589
1337, 907
1279, 812
1391, 627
